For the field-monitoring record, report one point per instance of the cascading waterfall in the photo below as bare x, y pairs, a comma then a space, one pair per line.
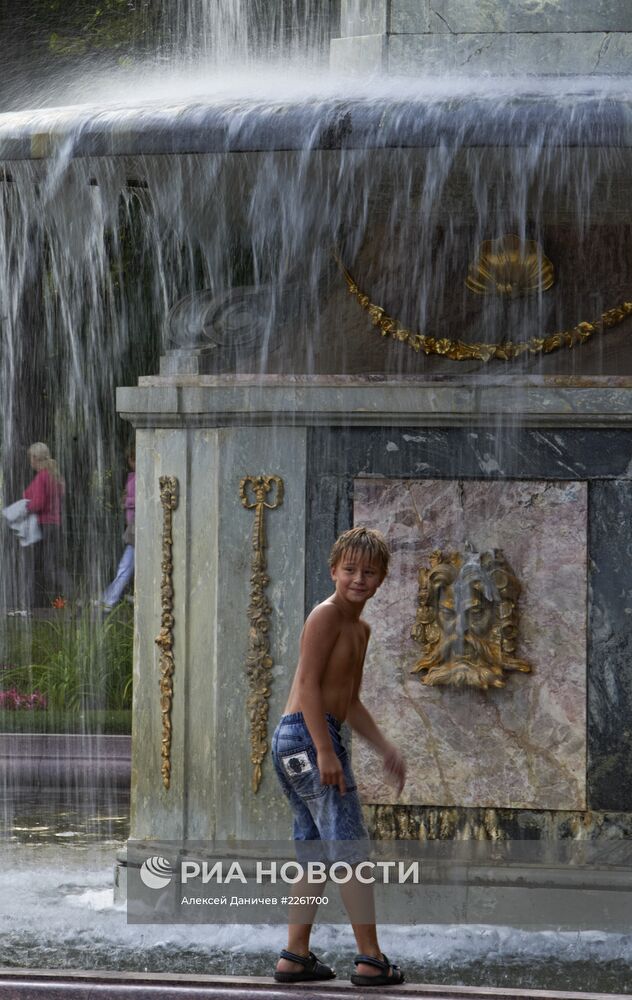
97, 250
236, 32
72, 57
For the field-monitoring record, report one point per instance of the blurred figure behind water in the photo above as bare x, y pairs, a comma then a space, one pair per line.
125, 570
45, 575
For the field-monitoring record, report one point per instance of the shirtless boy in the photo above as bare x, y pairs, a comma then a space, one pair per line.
311, 763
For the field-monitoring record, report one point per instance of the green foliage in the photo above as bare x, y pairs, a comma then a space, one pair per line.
78, 663
85, 27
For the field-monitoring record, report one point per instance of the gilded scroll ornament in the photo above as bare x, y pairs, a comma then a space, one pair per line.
467, 620
169, 501
259, 493
459, 350
510, 267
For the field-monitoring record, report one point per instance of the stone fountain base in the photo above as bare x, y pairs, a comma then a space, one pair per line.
324, 436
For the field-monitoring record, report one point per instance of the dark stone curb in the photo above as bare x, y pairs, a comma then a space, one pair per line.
45, 760
28, 985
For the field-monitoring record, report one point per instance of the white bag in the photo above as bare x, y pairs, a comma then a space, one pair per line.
25, 525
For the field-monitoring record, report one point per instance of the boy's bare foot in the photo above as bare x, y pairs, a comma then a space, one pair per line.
376, 971
283, 965
363, 968
370, 970
294, 967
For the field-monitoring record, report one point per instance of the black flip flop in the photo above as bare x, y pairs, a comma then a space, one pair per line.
383, 979
313, 969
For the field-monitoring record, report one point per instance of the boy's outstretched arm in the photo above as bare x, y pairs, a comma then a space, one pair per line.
319, 637
363, 723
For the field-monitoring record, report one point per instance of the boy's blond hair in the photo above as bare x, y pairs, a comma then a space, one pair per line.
367, 542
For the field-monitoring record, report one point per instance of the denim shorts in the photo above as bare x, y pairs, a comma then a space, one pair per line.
321, 813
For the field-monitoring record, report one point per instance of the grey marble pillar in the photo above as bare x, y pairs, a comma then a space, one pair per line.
210, 795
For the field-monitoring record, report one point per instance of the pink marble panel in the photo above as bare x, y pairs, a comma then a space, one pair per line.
522, 746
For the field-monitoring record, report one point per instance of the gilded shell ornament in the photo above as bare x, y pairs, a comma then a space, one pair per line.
510, 267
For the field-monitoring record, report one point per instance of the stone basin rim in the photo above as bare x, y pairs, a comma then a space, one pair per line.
595, 119
360, 380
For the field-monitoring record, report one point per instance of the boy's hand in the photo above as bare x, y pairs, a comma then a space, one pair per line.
395, 766
331, 772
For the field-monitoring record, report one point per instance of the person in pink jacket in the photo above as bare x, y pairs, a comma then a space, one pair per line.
44, 495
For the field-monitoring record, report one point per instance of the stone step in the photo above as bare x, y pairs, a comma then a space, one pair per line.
22, 984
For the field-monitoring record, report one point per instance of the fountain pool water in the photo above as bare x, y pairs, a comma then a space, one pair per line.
58, 909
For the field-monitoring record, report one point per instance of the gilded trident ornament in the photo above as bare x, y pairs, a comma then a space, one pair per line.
164, 640
510, 267
259, 493
467, 620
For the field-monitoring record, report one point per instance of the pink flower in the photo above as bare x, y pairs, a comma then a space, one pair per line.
12, 699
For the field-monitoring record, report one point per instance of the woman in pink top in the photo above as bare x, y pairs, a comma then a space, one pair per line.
44, 494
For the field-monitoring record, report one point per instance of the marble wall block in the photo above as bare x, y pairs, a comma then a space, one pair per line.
506, 53
359, 17
523, 746
537, 16
601, 457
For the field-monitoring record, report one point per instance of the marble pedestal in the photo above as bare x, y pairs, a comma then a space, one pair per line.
324, 435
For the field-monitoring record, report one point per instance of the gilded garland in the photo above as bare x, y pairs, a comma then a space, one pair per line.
259, 493
459, 350
169, 501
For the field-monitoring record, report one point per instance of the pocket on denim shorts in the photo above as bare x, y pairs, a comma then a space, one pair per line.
298, 764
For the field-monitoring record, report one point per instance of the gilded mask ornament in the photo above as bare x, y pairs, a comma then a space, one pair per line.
467, 620
510, 267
